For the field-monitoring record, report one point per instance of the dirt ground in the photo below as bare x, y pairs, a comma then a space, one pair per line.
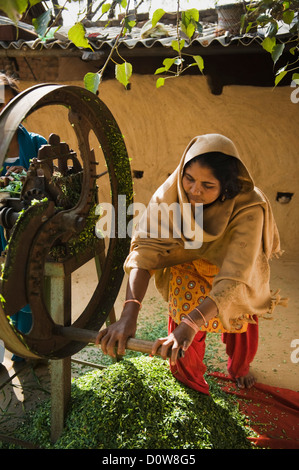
23, 386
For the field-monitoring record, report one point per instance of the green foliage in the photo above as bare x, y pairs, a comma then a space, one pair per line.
271, 15
105, 8
92, 81
167, 65
269, 44
138, 404
14, 8
41, 23
122, 3
178, 45
76, 34
123, 72
277, 52
296, 78
190, 22
128, 24
199, 62
157, 15
15, 185
178, 62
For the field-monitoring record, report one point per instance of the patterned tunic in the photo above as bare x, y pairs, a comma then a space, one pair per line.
189, 284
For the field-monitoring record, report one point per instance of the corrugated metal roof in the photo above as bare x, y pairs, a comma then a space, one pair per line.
35, 45
135, 39
103, 39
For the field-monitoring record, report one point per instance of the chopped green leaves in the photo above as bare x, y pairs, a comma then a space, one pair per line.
138, 404
15, 185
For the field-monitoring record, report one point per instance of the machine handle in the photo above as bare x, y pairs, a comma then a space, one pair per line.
89, 336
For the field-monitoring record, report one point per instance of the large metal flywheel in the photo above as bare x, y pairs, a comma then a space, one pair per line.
54, 213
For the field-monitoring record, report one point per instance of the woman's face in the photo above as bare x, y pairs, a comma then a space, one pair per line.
200, 184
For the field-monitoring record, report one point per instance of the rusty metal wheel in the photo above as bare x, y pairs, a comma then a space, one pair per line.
49, 222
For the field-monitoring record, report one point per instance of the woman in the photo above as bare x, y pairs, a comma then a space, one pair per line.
223, 285
23, 147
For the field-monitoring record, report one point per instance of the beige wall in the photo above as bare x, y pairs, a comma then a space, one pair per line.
157, 124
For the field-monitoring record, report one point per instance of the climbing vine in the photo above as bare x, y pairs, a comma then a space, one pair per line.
271, 15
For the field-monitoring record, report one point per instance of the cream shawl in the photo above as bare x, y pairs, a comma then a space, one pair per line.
239, 236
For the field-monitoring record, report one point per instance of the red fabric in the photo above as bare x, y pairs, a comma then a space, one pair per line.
241, 349
273, 412
190, 369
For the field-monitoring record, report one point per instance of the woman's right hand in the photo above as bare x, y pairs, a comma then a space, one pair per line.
113, 339
118, 333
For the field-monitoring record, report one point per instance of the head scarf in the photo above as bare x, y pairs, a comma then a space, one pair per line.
238, 235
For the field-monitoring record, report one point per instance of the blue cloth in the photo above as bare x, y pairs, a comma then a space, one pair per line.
29, 144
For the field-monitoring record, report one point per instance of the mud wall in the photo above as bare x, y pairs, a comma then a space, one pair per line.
157, 124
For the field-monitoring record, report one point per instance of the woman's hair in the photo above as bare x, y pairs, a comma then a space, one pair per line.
224, 168
9, 82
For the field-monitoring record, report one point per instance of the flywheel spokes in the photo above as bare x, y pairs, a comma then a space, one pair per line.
53, 223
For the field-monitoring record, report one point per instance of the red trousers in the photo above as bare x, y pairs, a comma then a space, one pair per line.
240, 348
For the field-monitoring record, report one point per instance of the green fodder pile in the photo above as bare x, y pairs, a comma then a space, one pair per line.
138, 404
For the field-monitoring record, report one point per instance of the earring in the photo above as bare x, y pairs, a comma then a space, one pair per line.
223, 196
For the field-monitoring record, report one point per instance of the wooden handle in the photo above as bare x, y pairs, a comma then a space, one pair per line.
89, 336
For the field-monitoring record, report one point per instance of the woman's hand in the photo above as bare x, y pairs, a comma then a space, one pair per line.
180, 338
118, 333
14, 169
113, 339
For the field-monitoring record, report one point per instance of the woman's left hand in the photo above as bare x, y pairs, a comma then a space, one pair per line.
180, 338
